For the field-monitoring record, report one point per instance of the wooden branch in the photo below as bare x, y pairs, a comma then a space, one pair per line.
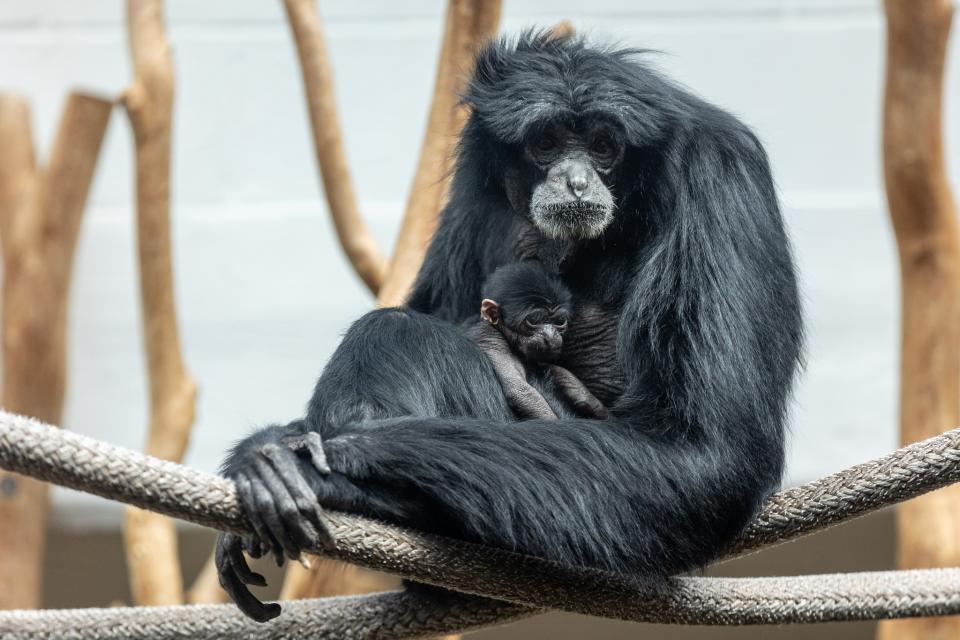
298, 580
355, 238
17, 163
206, 588
563, 29
328, 577
468, 24
150, 540
40, 214
925, 221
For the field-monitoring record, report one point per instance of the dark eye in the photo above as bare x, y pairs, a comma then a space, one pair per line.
529, 326
561, 326
544, 146
602, 147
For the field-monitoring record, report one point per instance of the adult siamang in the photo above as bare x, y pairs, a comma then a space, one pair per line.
686, 325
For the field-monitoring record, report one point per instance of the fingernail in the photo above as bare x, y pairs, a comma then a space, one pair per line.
321, 465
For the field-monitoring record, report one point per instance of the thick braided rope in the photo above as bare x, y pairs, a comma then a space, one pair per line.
381, 616
85, 464
397, 615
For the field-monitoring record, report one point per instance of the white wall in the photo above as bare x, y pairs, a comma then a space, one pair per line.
263, 291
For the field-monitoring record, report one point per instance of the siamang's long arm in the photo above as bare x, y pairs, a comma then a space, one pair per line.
579, 492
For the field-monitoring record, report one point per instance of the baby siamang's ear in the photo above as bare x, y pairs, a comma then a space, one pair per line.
490, 311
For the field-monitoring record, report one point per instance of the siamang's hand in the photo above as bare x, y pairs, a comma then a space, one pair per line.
592, 409
284, 513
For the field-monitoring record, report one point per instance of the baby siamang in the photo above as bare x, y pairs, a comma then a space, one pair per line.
686, 324
523, 316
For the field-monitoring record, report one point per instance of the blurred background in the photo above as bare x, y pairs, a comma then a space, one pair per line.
263, 291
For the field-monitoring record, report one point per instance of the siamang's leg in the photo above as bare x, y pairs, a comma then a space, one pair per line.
391, 363
584, 402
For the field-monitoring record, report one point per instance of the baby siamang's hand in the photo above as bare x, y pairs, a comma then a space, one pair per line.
284, 513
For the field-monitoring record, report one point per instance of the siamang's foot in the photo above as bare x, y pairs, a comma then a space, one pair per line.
253, 547
313, 445
592, 410
235, 575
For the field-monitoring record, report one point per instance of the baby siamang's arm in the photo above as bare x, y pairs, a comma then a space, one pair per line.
570, 386
525, 401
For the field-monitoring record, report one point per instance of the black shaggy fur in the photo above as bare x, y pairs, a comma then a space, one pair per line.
693, 300
523, 287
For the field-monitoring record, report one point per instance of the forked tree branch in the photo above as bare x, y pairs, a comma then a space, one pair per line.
466, 26
40, 214
355, 238
150, 540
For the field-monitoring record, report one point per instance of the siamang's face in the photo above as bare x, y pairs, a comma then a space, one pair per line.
540, 334
568, 180
535, 333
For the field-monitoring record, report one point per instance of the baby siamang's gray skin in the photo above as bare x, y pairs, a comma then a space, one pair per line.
524, 315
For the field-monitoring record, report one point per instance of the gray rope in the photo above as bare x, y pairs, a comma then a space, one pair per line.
397, 615
341, 618
85, 464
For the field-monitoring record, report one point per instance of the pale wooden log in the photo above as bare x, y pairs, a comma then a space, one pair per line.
40, 214
23, 500
468, 24
355, 238
206, 588
563, 29
925, 221
327, 577
17, 162
150, 540
298, 580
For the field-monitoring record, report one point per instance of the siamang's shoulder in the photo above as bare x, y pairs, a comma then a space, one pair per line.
711, 124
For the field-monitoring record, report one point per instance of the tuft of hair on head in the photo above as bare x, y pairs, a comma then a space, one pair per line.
542, 75
522, 286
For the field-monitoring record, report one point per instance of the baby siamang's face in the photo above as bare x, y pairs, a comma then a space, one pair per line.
568, 177
540, 333
536, 333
